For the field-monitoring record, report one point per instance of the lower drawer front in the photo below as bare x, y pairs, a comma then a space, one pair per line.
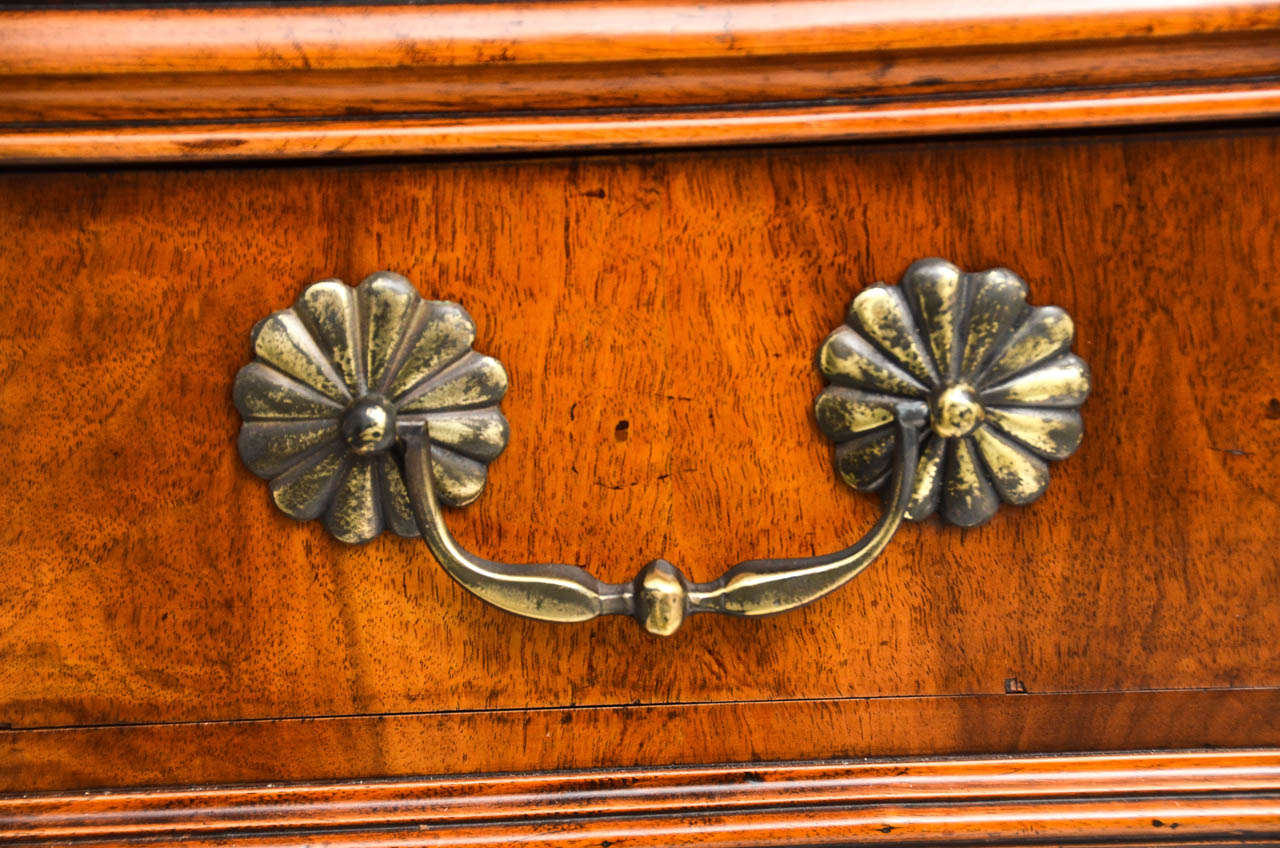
658, 316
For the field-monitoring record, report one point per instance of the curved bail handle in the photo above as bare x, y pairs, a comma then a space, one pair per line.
660, 597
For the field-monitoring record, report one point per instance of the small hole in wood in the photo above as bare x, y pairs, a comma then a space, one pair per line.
621, 430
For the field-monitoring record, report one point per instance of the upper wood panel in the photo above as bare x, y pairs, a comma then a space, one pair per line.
145, 575
182, 83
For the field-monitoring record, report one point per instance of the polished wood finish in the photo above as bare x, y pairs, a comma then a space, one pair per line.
539, 133
408, 745
192, 83
162, 625
339, 38
146, 577
1153, 798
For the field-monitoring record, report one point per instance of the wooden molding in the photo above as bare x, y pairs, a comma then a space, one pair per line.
402, 745
1150, 798
465, 134
192, 83
575, 31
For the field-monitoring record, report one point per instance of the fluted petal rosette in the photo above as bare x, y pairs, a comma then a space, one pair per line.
1003, 389
339, 375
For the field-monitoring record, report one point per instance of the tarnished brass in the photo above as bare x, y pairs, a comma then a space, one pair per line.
368, 407
338, 378
1002, 387
660, 598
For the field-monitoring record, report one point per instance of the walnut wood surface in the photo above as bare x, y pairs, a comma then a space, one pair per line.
199, 83
1153, 798
342, 748
335, 37
145, 576
589, 130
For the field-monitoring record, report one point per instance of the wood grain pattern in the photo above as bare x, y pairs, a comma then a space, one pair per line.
1173, 797
193, 83
145, 576
588, 131
352, 37
211, 94
408, 745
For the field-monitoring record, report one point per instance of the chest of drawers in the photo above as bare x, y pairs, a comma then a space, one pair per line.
653, 215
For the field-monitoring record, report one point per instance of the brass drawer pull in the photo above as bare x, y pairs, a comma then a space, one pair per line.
368, 407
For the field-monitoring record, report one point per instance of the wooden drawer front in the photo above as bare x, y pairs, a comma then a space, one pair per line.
657, 315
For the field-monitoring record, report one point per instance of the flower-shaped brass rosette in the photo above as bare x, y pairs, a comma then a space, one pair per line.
369, 408
337, 380
1003, 389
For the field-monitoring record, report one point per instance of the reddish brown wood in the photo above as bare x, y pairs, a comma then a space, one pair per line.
145, 575
210, 94
610, 737
139, 84
1174, 797
507, 134
161, 624
579, 31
